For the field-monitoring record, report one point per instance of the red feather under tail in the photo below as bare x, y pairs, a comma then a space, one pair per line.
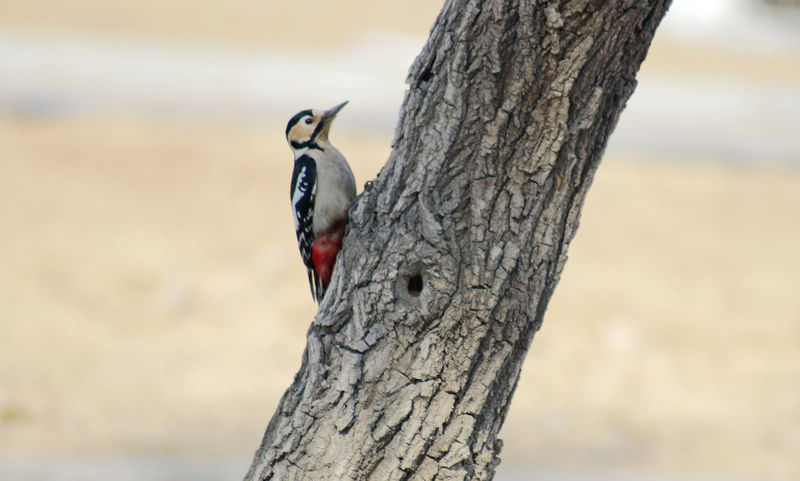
323, 254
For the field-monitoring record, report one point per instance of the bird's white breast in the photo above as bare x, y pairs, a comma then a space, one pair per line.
336, 188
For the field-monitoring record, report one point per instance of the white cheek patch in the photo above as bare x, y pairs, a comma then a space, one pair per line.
301, 131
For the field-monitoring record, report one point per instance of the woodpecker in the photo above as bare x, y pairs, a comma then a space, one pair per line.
322, 189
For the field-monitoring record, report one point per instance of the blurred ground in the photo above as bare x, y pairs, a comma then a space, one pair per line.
154, 311
310, 25
152, 303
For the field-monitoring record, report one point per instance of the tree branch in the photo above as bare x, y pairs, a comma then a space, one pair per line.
452, 256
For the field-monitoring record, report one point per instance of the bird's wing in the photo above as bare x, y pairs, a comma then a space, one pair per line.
303, 192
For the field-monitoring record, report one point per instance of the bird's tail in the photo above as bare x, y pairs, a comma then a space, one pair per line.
313, 283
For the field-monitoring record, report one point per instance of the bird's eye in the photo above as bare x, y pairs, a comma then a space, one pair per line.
309, 120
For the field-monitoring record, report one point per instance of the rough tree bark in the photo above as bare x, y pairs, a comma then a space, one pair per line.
452, 255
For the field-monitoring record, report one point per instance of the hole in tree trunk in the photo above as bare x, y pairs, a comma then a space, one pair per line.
415, 285
410, 282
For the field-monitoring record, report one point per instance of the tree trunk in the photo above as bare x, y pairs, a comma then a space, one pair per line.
452, 255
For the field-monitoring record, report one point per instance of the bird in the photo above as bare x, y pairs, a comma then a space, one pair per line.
322, 190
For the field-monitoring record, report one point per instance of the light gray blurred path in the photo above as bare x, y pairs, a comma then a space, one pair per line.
737, 120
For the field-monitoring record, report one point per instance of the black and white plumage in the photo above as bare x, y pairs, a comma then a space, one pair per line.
303, 193
322, 189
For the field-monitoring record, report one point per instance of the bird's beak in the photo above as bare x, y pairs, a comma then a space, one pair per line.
330, 114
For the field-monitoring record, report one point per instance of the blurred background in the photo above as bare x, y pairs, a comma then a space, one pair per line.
152, 304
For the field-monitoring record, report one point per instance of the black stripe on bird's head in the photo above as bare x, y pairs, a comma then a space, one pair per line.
306, 128
303, 114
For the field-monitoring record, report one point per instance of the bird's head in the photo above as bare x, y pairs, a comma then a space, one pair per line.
308, 127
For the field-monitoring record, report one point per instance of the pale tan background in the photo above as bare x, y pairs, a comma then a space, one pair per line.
152, 302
